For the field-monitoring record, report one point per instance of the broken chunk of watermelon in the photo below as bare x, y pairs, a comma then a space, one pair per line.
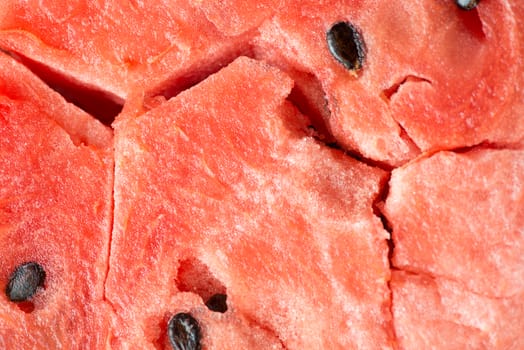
284, 223
55, 210
435, 77
436, 313
465, 224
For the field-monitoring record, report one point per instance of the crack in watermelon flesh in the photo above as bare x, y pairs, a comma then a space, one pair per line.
378, 210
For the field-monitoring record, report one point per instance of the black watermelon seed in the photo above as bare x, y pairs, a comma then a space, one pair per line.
346, 44
467, 4
24, 281
184, 333
217, 302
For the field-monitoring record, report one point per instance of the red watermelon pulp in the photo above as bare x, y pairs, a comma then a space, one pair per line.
232, 175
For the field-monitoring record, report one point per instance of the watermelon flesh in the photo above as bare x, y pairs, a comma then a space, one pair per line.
438, 313
418, 91
223, 185
482, 246
76, 41
220, 203
458, 245
47, 215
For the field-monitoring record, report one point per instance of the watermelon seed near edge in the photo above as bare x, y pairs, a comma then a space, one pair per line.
184, 332
467, 4
24, 281
346, 45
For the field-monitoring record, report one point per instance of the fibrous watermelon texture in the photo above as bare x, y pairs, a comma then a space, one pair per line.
286, 207
55, 210
244, 194
439, 313
429, 82
436, 77
458, 243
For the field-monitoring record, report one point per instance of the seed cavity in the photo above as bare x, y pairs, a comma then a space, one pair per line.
467, 4
194, 276
346, 45
217, 303
184, 332
25, 281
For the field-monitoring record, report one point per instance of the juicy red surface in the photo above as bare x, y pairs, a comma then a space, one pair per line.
49, 215
204, 176
442, 314
285, 208
456, 75
466, 224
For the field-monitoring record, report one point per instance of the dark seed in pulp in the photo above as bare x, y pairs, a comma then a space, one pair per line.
184, 332
217, 302
24, 281
467, 4
346, 44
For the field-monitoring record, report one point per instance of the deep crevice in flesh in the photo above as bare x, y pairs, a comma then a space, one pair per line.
99, 104
331, 142
378, 205
368, 161
195, 277
192, 76
311, 101
473, 23
309, 98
